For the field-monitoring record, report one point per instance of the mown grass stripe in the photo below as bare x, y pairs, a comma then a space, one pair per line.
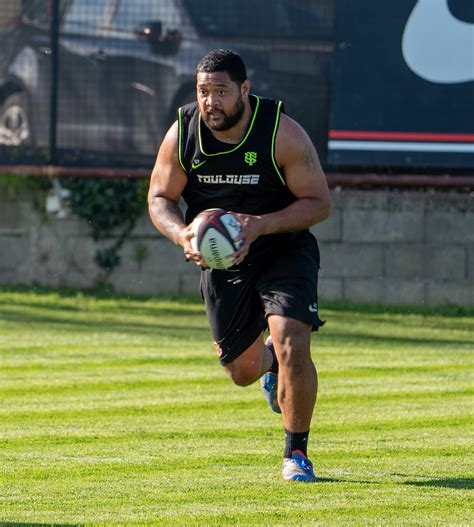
116, 412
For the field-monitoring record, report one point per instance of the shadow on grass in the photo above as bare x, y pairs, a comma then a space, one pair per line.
375, 308
107, 292
341, 336
98, 293
104, 324
176, 315
452, 483
397, 478
330, 480
101, 325
22, 524
138, 307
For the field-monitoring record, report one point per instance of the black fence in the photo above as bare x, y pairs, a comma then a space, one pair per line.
380, 85
98, 82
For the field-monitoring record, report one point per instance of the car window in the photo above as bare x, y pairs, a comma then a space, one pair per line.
83, 14
292, 19
38, 12
131, 14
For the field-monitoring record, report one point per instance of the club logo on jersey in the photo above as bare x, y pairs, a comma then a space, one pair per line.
250, 158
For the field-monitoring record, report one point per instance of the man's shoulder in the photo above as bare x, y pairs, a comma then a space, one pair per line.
291, 128
188, 110
188, 118
270, 105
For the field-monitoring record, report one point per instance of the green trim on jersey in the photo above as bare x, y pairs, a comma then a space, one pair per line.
180, 137
236, 146
275, 130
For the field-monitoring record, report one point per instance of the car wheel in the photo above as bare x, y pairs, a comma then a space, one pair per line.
15, 128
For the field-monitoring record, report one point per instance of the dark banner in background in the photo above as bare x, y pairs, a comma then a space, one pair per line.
403, 90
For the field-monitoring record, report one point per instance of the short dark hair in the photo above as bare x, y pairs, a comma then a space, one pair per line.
223, 60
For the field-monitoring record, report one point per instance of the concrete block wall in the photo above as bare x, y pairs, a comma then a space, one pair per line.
60, 252
398, 247
377, 246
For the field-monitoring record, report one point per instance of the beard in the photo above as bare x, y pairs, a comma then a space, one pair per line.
228, 120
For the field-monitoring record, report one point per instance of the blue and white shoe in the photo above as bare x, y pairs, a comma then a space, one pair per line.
298, 468
269, 383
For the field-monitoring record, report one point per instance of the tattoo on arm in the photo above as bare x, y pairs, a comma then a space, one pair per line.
308, 159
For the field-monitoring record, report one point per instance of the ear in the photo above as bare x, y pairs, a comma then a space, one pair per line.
245, 88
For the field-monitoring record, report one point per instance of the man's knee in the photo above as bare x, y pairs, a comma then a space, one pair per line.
292, 344
242, 374
291, 338
248, 366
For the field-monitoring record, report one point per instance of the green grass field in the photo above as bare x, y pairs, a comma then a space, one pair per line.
115, 411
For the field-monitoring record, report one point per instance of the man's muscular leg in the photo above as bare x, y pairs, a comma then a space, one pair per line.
297, 377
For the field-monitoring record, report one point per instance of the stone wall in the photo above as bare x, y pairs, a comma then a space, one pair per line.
378, 246
399, 247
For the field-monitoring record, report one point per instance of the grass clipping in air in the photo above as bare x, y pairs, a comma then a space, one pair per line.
115, 411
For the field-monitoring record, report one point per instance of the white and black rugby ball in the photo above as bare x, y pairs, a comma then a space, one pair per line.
215, 233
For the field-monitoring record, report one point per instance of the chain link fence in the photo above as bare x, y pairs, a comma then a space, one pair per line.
97, 82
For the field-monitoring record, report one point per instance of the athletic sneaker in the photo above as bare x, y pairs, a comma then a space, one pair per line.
298, 468
269, 383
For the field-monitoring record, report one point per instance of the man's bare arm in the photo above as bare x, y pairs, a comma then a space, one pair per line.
166, 184
167, 217
304, 177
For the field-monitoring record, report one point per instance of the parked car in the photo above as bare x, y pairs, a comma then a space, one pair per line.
124, 66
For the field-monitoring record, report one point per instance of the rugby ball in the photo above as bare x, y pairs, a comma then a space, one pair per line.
215, 232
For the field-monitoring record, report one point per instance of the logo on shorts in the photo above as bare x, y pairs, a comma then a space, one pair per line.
218, 349
313, 307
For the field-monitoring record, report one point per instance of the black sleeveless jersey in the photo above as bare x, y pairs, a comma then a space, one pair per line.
241, 178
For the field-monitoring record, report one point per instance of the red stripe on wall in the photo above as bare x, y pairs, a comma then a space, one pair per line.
400, 136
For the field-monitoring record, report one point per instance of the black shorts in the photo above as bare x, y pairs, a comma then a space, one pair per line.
282, 280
